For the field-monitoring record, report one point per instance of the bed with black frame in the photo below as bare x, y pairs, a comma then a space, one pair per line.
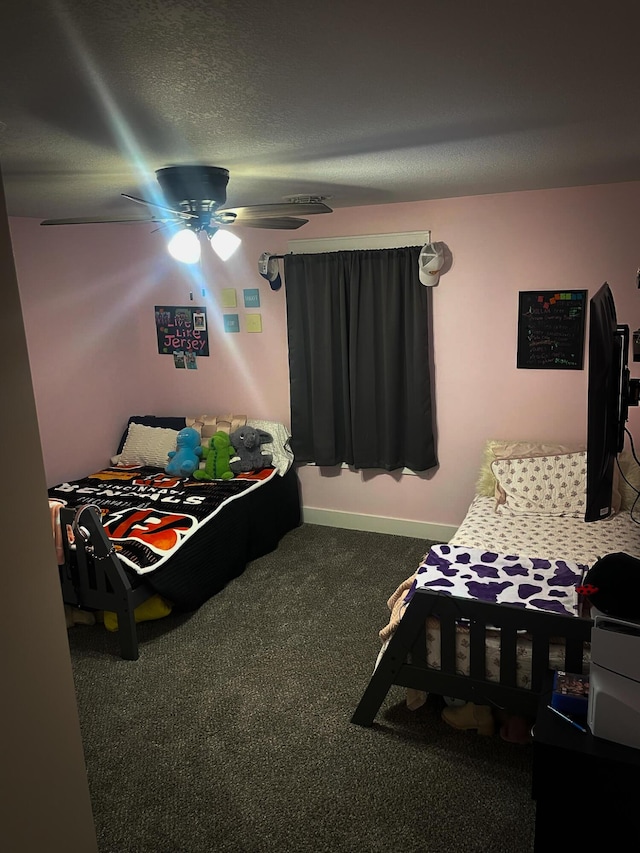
404, 661
253, 515
497, 654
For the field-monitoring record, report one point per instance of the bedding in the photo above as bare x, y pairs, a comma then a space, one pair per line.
148, 438
540, 584
179, 538
147, 514
462, 643
544, 535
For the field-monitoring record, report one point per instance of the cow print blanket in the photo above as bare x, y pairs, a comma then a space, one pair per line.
147, 514
548, 585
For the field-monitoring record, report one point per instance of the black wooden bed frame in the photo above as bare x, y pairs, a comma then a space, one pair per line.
93, 578
404, 660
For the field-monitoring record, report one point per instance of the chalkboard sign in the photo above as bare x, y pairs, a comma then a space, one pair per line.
551, 327
182, 329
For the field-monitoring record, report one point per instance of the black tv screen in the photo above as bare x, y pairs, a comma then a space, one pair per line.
608, 401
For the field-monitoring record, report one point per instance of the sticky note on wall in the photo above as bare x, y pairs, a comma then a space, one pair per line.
254, 322
251, 297
231, 323
228, 298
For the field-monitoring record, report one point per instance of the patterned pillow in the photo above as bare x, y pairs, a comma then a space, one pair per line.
501, 449
208, 425
148, 446
551, 485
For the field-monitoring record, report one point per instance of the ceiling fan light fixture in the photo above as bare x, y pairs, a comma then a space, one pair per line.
193, 197
184, 246
224, 243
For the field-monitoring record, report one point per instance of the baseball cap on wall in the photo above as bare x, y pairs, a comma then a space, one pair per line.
430, 262
269, 269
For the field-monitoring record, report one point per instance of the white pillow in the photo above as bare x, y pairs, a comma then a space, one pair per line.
546, 485
148, 446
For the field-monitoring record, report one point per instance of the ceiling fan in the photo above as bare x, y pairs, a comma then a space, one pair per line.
193, 197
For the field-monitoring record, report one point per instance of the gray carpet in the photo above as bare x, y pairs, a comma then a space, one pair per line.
232, 733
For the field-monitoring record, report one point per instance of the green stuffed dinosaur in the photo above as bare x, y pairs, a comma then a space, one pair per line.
216, 456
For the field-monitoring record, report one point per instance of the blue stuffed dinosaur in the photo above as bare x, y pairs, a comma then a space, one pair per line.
186, 458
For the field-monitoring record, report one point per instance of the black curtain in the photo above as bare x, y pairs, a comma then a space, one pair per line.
358, 326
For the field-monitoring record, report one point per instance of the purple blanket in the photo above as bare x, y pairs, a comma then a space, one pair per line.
548, 585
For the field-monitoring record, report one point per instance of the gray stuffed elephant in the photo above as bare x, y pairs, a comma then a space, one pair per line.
246, 442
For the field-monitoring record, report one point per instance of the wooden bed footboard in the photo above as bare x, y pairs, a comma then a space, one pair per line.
404, 662
93, 578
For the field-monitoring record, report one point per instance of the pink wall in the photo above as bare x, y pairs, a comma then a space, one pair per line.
88, 295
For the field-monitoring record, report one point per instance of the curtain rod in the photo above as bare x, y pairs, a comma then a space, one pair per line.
290, 254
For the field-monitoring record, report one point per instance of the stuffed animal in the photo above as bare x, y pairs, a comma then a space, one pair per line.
217, 456
249, 456
153, 608
185, 460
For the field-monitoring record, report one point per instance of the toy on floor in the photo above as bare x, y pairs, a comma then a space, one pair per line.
249, 456
186, 458
470, 716
217, 456
155, 607
75, 616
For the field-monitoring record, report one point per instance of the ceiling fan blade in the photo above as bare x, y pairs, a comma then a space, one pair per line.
86, 221
288, 223
182, 213
259, 211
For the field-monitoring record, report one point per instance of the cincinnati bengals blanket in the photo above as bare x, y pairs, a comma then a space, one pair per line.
149, 515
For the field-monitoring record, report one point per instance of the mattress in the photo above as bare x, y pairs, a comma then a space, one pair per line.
547, 536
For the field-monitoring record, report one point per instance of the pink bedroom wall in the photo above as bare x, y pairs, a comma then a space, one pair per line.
88, 295
81, 290
500, 244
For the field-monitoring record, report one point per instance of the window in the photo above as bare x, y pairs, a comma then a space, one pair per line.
359, 359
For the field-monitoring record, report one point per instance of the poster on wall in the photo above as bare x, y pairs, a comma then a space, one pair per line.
551, 325
182, 329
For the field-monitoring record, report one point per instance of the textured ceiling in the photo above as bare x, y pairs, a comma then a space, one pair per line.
363, 101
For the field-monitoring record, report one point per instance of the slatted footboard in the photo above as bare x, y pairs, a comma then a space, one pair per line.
404, 662
93, 577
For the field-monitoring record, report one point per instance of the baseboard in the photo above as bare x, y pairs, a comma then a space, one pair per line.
379, 524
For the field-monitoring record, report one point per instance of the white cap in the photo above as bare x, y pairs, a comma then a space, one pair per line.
430, 262
269, 269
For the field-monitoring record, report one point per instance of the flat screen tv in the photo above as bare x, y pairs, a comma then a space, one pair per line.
610, 393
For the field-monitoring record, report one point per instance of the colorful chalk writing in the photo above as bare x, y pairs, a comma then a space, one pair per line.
175, 329
551, 325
